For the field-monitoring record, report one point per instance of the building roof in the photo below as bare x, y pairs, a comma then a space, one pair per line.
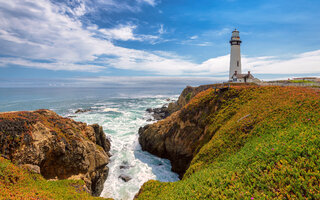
243, 76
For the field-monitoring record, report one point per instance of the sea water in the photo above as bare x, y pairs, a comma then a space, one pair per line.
120, 111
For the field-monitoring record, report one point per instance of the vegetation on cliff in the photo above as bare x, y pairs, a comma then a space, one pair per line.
251, 143
18, 183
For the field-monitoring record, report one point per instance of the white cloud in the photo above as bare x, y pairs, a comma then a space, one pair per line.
38, 30
114, 6
125, 33
304, 63
161, 29
194, 37
122, 32
150, 2
51, 66
204, 44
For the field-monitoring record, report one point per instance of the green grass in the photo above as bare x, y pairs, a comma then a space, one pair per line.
188, 96
17, 183
272, 153
300, 81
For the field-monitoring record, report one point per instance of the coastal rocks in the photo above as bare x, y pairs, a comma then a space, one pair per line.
123, 168
159, 113
100, 138
60, 147
98, 178
125, 165
172, 139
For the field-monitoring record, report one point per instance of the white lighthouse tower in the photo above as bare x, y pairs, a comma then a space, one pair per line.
235, 57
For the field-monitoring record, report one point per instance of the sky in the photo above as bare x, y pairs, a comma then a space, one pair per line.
139, 42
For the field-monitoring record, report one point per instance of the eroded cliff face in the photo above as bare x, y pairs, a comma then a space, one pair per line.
60, 147
180, 136
167, 139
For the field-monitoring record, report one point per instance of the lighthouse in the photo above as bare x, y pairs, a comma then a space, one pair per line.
235, 74
235, 56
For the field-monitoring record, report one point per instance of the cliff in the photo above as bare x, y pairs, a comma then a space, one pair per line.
245, 142
56, 147
171, 138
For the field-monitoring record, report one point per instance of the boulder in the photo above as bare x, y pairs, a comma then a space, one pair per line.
125, 178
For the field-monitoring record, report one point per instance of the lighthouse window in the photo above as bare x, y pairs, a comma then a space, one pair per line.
237, 63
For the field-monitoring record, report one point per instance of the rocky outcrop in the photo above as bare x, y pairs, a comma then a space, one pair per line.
101, 138
60, 147
171, 138
159, 113
180, 136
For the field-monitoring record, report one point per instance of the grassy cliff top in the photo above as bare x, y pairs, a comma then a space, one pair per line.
265, 145
18, 183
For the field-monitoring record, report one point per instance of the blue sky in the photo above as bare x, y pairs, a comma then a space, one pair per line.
101, 42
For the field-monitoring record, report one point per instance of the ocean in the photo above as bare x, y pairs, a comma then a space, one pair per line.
121, 111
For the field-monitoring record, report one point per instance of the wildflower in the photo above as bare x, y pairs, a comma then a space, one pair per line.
252, 198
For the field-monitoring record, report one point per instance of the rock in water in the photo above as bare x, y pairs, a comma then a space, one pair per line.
149, 110
125, 178
83, 110
124, 165
159, 113
60, 147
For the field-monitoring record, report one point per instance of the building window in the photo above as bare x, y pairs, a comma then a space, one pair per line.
237, 63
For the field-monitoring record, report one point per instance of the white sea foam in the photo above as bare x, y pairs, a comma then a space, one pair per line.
110, 110
121, 124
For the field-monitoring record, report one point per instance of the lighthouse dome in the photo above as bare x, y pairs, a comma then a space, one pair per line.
235, 33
